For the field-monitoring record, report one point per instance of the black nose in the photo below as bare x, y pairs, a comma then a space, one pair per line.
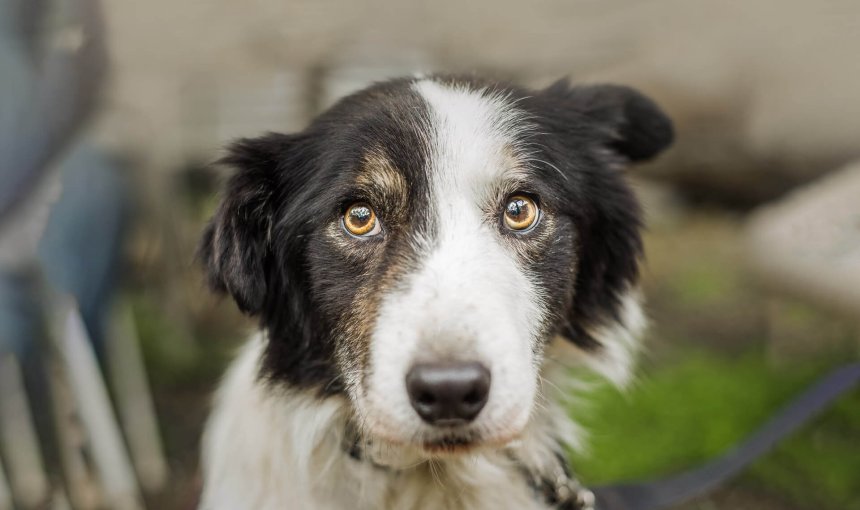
448, 394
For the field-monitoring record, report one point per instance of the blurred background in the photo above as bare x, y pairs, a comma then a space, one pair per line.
111, 113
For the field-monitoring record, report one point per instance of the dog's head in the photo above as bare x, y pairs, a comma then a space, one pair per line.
420, 243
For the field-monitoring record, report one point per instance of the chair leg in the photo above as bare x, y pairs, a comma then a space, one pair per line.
27, 478
84, 492
134, 400
5, 493
59, 501
110, 457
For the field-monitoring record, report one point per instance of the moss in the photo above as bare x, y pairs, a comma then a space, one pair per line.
174, 358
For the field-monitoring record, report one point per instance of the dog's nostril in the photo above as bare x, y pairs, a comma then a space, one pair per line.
473, 397
426, 399
448, 394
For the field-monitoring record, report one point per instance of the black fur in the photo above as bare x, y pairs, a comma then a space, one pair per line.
285, 189
236, 242
265, 246
591, 132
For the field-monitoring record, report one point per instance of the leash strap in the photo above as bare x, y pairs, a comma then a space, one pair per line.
665, 493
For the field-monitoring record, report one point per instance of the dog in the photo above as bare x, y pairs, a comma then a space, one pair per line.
431, 261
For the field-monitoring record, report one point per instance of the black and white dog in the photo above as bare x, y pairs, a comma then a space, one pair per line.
427, 260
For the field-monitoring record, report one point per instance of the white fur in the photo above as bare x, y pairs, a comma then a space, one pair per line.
268, 448
620, 341
470, 300
272, 449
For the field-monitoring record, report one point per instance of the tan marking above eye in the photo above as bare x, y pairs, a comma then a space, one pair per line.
521, 212
360, 220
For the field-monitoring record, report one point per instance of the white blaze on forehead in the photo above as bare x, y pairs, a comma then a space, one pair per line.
473, 140
474, 132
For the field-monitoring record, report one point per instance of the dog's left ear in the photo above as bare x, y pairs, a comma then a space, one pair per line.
235, 247
631, 124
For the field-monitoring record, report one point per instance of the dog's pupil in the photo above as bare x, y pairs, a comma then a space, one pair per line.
360, 215
517, 209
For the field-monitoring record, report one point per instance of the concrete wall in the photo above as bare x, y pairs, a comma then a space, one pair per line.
765, 87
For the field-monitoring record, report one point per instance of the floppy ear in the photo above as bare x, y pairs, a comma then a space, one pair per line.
604, 313
235, 248
632, 125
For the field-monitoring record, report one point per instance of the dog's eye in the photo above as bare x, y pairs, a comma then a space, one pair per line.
521, 212
360, 220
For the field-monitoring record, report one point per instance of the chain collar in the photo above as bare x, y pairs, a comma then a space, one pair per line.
559, 488
354, 446
568, 493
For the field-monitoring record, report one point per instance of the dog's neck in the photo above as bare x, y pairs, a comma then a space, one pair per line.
552, 483
281, 448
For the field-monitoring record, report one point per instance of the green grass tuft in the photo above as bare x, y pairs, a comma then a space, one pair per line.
684, 414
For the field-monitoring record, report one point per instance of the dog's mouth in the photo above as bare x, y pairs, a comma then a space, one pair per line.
450, 445
458, 444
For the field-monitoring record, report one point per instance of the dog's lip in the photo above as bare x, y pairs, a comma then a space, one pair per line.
446, 449
456, 442
450, 444
456, 445
464, 441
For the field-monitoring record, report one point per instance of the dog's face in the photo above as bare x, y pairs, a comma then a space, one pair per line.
419, 244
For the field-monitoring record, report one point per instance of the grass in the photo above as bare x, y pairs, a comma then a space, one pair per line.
692, 410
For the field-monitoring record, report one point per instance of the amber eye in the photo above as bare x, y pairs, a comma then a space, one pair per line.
360, 220
521, 212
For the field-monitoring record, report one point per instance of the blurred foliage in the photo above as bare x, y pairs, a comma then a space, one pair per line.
683, 414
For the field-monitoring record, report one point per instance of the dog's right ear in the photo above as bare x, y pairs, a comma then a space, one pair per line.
236, 247
626, 121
